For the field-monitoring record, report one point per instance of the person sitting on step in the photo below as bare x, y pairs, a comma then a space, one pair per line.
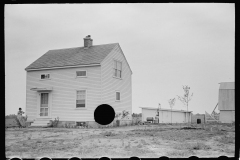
21, 118
20, 112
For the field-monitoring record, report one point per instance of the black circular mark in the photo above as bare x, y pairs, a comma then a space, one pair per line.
104, 158
193, 157
134, 158
164, 158
104, 114
45, 158
74, 158
15, 158
222, 157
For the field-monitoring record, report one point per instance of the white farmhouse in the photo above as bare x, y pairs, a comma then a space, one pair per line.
70, 83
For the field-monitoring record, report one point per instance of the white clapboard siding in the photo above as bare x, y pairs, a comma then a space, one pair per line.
65, 83
100, 85
110, 85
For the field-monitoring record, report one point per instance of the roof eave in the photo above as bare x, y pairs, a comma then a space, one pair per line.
62, 67
123, 56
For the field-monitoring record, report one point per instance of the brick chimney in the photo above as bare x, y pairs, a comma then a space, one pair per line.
87, 41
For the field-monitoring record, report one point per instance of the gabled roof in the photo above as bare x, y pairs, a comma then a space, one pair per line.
73, 57
227, 85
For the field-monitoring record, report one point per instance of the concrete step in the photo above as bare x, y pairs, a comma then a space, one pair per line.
41, 122
43, 119
37, 126
37, 122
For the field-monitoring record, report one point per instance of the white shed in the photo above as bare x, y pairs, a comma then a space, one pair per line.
178, 116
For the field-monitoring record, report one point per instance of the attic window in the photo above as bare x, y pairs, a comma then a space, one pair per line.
45, 76
81, 73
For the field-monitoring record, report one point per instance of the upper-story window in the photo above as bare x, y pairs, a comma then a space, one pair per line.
117, 69
81, 73
45, 76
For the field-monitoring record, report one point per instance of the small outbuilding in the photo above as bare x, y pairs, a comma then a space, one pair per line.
226, 102
198, 118
166, 115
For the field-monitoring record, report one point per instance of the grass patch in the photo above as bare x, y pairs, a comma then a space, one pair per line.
84, 150
18, 149
228, 150
179, 153
109, 133
192, 146
139, 146
143, 142
150, 130
138, 151
176, 134
7, 148
226, 140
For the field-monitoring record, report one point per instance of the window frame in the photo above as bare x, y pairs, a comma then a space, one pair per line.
116, 96
45, 75
114, 69
41, 107
77, 99
81, 76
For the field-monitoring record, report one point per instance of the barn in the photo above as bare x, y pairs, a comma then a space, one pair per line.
226, 102
166, 115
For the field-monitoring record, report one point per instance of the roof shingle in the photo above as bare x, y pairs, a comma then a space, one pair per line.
72, 56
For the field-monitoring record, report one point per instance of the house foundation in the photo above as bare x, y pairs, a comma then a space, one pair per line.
91, 124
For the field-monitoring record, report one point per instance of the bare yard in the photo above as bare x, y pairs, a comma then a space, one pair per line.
141, 141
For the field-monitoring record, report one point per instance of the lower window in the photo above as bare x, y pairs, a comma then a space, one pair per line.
81, 99
117, 96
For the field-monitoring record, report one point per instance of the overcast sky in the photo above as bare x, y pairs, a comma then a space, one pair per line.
167, 46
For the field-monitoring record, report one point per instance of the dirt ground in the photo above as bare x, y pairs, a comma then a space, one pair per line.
145, 141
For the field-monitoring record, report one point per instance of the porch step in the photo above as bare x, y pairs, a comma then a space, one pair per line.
40, 122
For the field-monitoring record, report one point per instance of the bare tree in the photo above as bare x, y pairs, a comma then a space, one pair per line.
171, 103
186, 98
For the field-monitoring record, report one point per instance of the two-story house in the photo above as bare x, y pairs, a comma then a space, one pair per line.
70, 83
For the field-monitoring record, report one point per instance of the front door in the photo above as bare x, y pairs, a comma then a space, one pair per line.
44, 105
